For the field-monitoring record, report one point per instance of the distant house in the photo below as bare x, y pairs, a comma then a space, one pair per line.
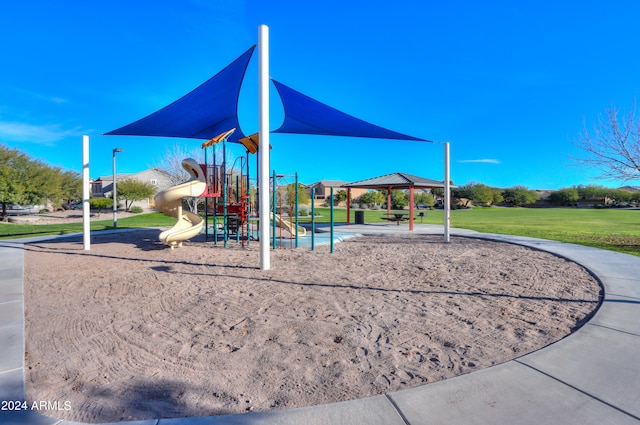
543, 198
103, 186
599, 201
323, 190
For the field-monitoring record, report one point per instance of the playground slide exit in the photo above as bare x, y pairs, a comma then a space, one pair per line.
169, 202
285, 224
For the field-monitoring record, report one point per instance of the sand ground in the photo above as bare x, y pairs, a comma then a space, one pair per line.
134, 330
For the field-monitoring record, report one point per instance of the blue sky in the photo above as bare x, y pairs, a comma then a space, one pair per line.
508, 84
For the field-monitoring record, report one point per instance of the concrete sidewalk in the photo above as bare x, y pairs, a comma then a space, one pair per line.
590, 377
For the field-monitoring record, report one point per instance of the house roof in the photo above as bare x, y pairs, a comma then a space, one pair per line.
396, 181
330, 183
109, 178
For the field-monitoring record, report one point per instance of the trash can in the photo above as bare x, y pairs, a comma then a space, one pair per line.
359, 217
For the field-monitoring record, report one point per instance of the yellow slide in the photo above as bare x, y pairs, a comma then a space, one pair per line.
280, 222
170, 202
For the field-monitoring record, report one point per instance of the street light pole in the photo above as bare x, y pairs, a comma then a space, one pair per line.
113, 190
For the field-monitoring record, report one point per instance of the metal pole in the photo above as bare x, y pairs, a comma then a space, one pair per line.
225, 222
447, 194
296, 209
216, 185
86, 228
238, 225
348, 206
206, 200
331, 214
263, 150
275, 209
114, 193
313, 218
247, 196
411, 206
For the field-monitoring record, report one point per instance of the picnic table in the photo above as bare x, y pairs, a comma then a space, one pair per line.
397, 218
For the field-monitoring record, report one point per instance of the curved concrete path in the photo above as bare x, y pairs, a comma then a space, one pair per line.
590, 377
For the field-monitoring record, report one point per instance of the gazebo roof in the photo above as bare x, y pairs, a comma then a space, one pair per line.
396, 181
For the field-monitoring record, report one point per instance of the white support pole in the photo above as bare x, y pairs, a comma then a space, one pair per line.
86, 206
447, 193
263, 149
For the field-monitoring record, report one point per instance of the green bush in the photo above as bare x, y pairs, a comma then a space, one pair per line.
135, 209
100, 203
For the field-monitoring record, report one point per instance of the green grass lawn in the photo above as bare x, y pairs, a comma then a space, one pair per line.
617, 230
613, 229
10, 230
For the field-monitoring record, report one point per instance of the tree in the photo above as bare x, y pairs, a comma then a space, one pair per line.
398, 200
566, 196
478, 193
606, 193
424, 199
371, 198
519, 195
590, 191
134, 190
613, 145
27, 181
71, 185
437, 191
100, 203
482, 194
290, 194
340, 196
497, 195
171, 162
618, 195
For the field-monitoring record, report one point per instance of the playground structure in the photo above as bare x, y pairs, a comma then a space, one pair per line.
227, 195
230, 200
231, 210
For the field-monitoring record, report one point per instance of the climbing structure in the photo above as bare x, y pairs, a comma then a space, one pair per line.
228, 203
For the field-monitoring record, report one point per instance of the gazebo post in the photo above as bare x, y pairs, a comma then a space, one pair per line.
389, 202
411, 206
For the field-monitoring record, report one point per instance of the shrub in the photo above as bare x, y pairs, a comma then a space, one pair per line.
518, 196
100, 203
135, 209
566, 196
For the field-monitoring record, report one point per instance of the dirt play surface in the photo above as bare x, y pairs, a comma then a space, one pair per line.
134, 330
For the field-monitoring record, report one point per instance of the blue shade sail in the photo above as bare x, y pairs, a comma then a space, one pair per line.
304, 115
205, 112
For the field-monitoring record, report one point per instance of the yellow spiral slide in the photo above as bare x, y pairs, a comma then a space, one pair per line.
170, 202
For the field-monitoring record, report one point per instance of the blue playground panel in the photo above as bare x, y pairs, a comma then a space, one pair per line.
320, 238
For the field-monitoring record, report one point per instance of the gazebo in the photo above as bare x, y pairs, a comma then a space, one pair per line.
393, 181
